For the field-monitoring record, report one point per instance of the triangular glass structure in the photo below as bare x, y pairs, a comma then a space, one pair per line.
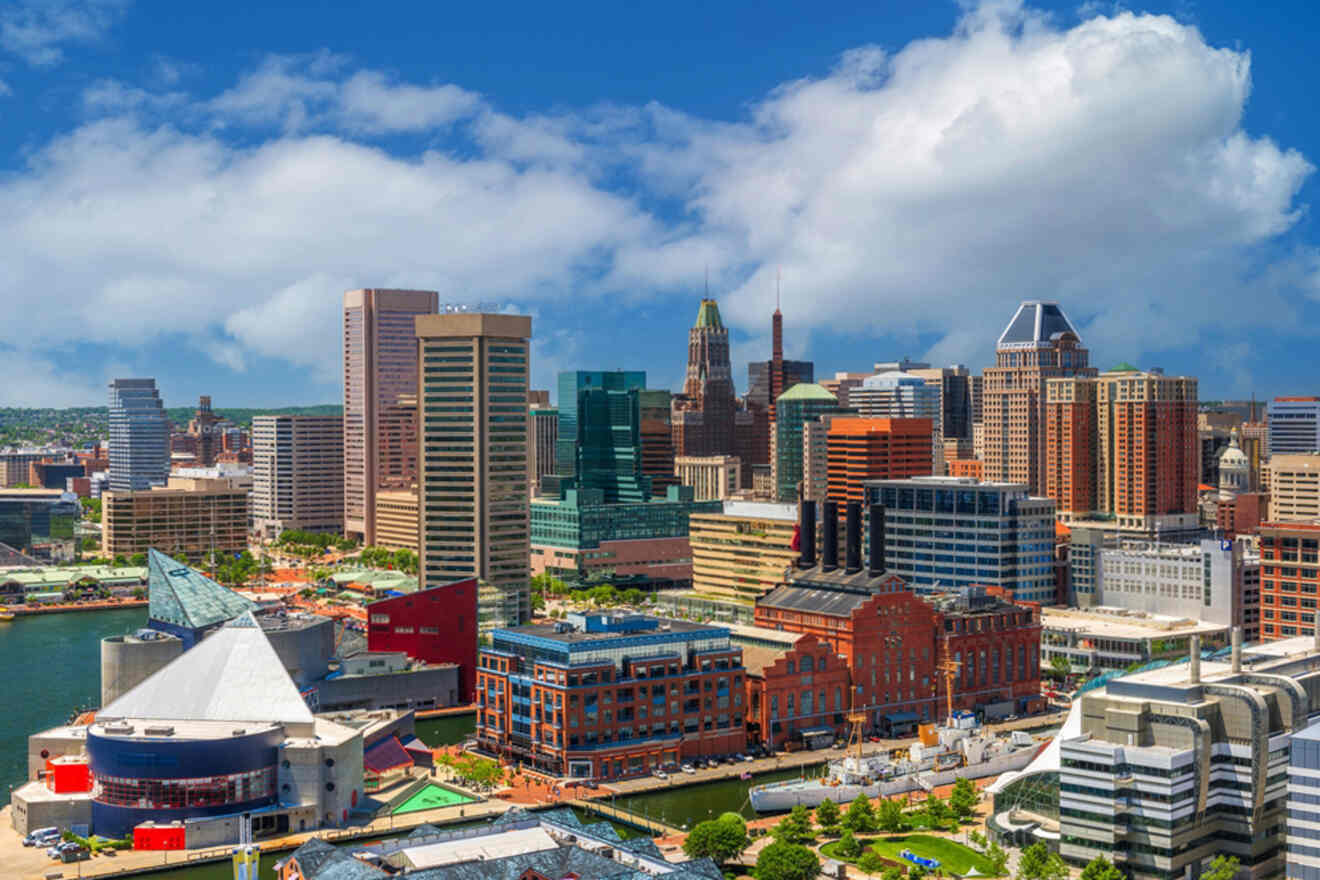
184, 597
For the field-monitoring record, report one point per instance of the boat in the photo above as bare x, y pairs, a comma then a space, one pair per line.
942, 754
6, 616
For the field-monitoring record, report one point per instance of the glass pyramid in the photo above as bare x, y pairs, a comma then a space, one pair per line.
187, 598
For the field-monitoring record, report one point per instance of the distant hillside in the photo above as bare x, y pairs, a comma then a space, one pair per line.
85, 425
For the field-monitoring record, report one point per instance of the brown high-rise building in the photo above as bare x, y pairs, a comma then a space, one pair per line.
380, 366
1124, 445
862, 449
703, 415
1039, 344
202, 429
473, 485
657, 436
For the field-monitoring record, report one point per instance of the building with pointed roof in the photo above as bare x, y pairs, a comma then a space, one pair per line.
703, 415
184, 602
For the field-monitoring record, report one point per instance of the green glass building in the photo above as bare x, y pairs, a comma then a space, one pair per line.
804, 402
600, 439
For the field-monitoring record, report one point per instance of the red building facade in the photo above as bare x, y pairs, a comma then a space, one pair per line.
435, 625
802, 689
1289, 579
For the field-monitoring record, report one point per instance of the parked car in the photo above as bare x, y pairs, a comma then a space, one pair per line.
659, 774
746, 757
731, 760
42, 837
689, 769
838, 744
75, 853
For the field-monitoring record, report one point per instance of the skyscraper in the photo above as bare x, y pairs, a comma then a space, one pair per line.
298, 474
204, 428
472, 493
542, 443
1123, 445
703, 416
1294, 425
895, 394
796, 407
766, 380
139, 436
600, 433
380, 365
1038, 344
861, 449
658, 440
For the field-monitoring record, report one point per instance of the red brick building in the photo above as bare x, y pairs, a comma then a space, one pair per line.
1289, 579
1241, 514
436, 625
601, 697
799, 688
860, 449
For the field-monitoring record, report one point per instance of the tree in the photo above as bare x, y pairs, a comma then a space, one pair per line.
848, 847
1100, 868
870, 862
977, 839
860, 816
963, 798
892, 873
1059, 667
793, 828
937, 810
827, 814
139, 593
997, 857
538, 602
138, 559
786, 861
722, 839
1222, 868
890, 816
1038, 863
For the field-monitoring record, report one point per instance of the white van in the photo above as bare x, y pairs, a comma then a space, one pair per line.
42, 836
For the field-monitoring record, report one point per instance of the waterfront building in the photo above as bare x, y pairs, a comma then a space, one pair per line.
139, 436
798, 687
1168, 768
380, 364
396, 519
657, 439
1294, 487
581, 539
192, 516
894, 642
437, 625
40, 523
607, 697
703, 415
894, 394
472, 489
742, 551
518, 844
796, 407
862, 449
542, 445
952, 532
712, 477
1039, 344
1294, 426
298, 474
1123, 446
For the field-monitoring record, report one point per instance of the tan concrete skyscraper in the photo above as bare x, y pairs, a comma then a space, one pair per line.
1037, 345
380, 366
472, 491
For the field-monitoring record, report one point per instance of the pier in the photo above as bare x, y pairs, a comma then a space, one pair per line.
651, 826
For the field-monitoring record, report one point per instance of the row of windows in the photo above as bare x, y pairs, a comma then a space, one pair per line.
174, 794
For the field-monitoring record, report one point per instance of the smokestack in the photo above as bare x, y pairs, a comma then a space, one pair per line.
1194, 661
853, 548
829, 537
807, 536
1316, 643
876, 558
1236, 635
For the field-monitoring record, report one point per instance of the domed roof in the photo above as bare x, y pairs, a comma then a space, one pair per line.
1233, 456
806, 391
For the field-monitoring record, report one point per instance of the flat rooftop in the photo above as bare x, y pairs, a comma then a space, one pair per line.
552, 631
181, 730
1108, 623
493, 846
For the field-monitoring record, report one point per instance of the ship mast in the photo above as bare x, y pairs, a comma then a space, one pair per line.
948, 670
857, 720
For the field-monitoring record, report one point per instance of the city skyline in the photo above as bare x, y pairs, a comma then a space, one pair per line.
623, 181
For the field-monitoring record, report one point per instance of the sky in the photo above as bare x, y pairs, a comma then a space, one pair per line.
187, 189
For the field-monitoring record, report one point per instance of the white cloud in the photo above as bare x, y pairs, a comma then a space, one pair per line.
917, 193
36, 30
36, 382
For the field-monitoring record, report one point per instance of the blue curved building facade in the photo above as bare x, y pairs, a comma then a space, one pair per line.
163, 779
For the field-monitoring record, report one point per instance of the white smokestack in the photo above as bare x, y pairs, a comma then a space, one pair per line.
1194, 661
1237, 648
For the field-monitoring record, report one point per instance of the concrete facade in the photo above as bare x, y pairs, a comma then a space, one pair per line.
189, 516
298, 474
128, 660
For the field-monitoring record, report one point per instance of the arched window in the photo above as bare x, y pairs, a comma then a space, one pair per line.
806, 664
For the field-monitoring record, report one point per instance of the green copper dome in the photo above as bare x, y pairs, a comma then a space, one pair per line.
708, 315
806, 391
1124, 367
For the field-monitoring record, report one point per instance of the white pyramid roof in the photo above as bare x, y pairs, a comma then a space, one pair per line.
232, 675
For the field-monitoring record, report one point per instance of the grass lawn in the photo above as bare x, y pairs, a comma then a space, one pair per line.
429, 798
952, 856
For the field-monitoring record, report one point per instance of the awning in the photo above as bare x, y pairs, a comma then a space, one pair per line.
901, 717
386, 755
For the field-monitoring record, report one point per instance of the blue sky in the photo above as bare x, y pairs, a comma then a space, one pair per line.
186, 189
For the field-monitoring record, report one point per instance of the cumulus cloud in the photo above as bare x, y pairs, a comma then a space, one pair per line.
916, 193
37, 30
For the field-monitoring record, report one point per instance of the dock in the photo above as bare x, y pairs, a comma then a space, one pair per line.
654, 827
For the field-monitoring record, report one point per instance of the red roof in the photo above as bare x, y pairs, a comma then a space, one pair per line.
386, 755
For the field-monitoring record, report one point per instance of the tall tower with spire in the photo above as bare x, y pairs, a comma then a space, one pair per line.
703, 415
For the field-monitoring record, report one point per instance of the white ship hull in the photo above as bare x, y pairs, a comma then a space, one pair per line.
775, 797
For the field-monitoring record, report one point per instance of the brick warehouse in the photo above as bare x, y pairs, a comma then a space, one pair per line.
894, 642
596, 696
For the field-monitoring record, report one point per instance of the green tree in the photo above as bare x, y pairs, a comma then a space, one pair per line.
1059, 667
889, 817
848, 847
1222, 868
1100, 868
870, 862
538, 602
1038, 863
722, 839
860, 815
786, 861
963, 798
892, 873
827, 814
937, 810
139, 593
138, 559
795, 827
977, 839
633, 596
997, 857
